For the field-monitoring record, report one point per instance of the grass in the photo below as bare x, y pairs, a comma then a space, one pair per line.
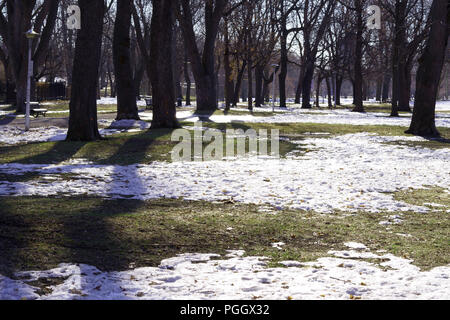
40, 233
121, 149
155, 145
292, 129
62, 108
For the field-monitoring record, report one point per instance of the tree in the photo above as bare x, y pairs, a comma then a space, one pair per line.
312, 36
126, 91
83, 101
281, 19
12, 31
202, 62
161, 65
429, 73
409, 30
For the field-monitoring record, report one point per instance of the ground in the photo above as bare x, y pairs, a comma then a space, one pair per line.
353, 209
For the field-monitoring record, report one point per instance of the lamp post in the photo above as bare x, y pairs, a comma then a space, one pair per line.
275, 66
30, 36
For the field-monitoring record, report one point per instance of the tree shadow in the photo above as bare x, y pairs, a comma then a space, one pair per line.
87, 235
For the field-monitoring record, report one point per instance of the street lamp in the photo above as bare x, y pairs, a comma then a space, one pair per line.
275, 66
31, 35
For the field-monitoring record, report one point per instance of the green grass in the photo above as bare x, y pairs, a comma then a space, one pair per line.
292, 129
62, 108
155, 145
39, 233
121, 149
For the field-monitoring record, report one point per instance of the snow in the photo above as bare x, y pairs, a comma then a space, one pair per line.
15, 135
341, 275
113, 101
333, 117
443, 106
347, 173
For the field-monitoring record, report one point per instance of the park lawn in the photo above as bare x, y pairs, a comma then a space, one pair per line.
299, 129
120, 149
40, 233
61, 107
155, 145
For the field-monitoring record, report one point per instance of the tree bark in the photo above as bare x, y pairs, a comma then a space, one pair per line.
187, 79
298, 91
358, 89
202, 63
83, 101
250, 85
126, 91
307, 84
330, 101
339, 80
386, 87
161, 65
259, 78
283, 66
429, 73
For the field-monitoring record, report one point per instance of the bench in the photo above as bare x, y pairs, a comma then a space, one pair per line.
36, 111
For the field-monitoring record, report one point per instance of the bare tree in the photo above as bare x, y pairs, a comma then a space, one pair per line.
430, 68
83, 102
13, 26
202, 62
126, 92
161, 65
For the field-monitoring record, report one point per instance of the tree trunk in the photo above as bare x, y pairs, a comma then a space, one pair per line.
358, 89
339, 80
126, 91
319, 81
283, 68
330, 101
266, 83
202, 64
83, 101
259, 78
298, 91
404, 88
386, 87
379, 87
250, 85
429, 73
187, 78
161, 65
307, 84
238, 85
229, 83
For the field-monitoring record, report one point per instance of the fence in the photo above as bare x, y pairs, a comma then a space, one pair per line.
51, 91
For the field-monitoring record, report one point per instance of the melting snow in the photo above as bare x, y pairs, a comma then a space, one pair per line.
343, 275
349, 173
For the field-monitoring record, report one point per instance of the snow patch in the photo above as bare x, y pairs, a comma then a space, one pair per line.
343, 275
347, 173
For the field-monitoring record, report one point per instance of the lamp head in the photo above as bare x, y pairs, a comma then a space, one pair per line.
31, 34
